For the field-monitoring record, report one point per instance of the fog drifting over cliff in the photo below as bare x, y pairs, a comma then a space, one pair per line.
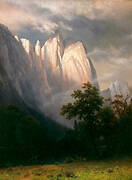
104, 26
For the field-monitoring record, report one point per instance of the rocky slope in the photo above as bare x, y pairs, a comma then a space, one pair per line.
43, 78
75, 65
65, 67
37, 76
19, 70
119, 87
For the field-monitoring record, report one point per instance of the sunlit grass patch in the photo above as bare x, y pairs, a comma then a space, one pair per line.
109, 170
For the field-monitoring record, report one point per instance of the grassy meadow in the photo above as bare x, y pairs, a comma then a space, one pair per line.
94, 170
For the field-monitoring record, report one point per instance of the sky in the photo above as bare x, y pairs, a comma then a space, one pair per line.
104, 26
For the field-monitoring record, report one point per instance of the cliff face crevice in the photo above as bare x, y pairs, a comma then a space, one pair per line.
41, 75
75, 64
64, 67
22, 71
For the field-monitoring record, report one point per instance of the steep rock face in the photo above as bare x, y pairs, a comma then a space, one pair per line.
64, 67
38, 53
119, 87
34, 56
43, 78
17, 38
17, 73
38, 49
76, 67
53, 52
29, 49
94, 79
66, 70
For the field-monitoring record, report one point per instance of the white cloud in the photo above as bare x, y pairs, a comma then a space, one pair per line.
103, 25
92, 9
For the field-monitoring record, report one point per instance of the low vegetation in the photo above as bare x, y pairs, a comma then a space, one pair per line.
100, 130
96, 170
100, 133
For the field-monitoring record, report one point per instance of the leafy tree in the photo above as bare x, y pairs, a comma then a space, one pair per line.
119, 105
85, 109
123, 135
106, 130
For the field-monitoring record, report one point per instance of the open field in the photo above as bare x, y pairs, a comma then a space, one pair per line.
103, 170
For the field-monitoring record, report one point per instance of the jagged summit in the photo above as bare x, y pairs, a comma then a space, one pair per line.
52, 52
20, 71
40, 74
38, 43
74, 45
42, 77
70, 63
77, 68
17, 38
56, 38
26, 44
76, 51
119, 87
59, 37
38, 48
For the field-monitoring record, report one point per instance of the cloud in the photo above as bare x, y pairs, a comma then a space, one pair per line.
104, 26
111, 66
11, 16
43, 12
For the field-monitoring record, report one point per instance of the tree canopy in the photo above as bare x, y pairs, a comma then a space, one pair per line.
107, 129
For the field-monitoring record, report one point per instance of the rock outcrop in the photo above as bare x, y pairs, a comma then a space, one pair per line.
36, 74
119, 87
65, 67
53, 52
44, 77
18, 73
76, 67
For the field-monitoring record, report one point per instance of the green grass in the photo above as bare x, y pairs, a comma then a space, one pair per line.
103, 170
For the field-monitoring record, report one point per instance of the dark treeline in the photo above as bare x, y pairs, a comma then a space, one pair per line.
100, 131
103, 128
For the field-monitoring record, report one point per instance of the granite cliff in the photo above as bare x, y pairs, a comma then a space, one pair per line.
119, 87
42, 76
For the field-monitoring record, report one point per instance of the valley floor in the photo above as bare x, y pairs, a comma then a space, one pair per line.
103, 170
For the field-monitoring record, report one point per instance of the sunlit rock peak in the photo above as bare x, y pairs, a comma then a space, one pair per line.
64, 66
119, 87
38, 49
30, 50
17, 38
53, 52
27, 45
43, 78
37, 74
42, 53
75, 64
